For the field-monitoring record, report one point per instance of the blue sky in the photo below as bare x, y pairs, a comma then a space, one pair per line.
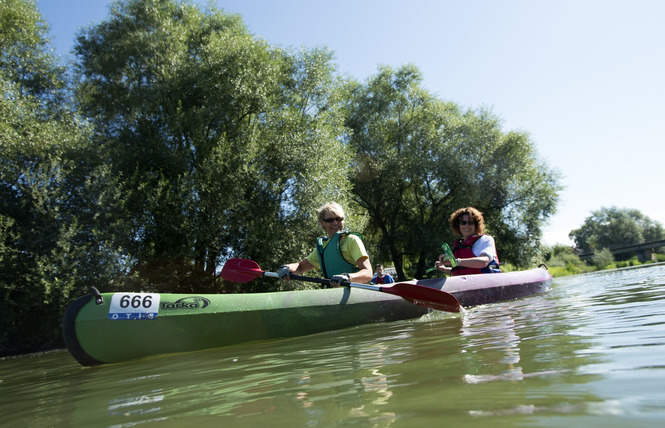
585, 78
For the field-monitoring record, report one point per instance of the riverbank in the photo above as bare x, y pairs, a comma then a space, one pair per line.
568, 270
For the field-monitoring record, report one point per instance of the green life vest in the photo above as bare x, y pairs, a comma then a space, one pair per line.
330, 258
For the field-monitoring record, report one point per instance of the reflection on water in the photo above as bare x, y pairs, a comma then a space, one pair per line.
587, 352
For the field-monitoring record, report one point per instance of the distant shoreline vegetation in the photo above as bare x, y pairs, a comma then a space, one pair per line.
562, 261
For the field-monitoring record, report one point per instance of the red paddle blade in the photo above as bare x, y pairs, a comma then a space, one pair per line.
425, 296
241, 270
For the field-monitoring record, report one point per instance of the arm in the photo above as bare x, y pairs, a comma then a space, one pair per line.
302, 266
478, 262
356, 251
484, 250
365, 273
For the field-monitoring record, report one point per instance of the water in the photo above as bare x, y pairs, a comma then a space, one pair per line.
587, 353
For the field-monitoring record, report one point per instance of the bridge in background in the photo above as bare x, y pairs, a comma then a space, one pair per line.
644, 251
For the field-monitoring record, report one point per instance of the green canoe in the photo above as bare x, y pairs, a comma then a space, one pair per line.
115, 327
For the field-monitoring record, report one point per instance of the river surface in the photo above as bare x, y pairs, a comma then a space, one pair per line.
590, 352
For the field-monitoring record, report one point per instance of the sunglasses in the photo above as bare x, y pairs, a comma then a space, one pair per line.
464, 223
330, 220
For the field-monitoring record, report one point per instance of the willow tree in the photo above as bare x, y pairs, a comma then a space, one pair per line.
50, 250
220, 144
419, 158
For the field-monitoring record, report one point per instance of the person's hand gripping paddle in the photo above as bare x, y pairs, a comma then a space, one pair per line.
243, 270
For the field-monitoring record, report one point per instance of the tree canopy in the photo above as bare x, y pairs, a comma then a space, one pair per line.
418, 159
179, 139
616, 227
48, 246
217, 140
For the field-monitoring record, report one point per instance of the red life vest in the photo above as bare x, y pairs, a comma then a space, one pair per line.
462, 250
385, 279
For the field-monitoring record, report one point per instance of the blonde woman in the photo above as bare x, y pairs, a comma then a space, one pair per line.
341, 255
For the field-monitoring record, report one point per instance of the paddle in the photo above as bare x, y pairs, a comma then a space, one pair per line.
243, 270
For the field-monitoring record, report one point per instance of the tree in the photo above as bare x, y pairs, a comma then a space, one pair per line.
615, 227
602, 258
25, 57
418, 159
563, 256
219, 142
50, 249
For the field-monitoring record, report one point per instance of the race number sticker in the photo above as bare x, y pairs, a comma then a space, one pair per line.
134, 306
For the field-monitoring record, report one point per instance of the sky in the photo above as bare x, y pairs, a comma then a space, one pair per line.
584, 78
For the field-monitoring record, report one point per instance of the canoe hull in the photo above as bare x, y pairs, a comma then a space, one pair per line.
96, 334
474, 290
221, 320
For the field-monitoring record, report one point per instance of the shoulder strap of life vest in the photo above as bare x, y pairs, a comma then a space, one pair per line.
330, 257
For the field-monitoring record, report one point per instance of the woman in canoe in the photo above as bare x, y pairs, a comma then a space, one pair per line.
341, 254
475, 252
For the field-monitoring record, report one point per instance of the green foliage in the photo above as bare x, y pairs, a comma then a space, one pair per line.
614, 227
185, 140
602, 258
51, 249
418, 159
218, 141
25, 57
562, 261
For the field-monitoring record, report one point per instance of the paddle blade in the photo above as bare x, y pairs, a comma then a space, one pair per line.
241, 270
425, 296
